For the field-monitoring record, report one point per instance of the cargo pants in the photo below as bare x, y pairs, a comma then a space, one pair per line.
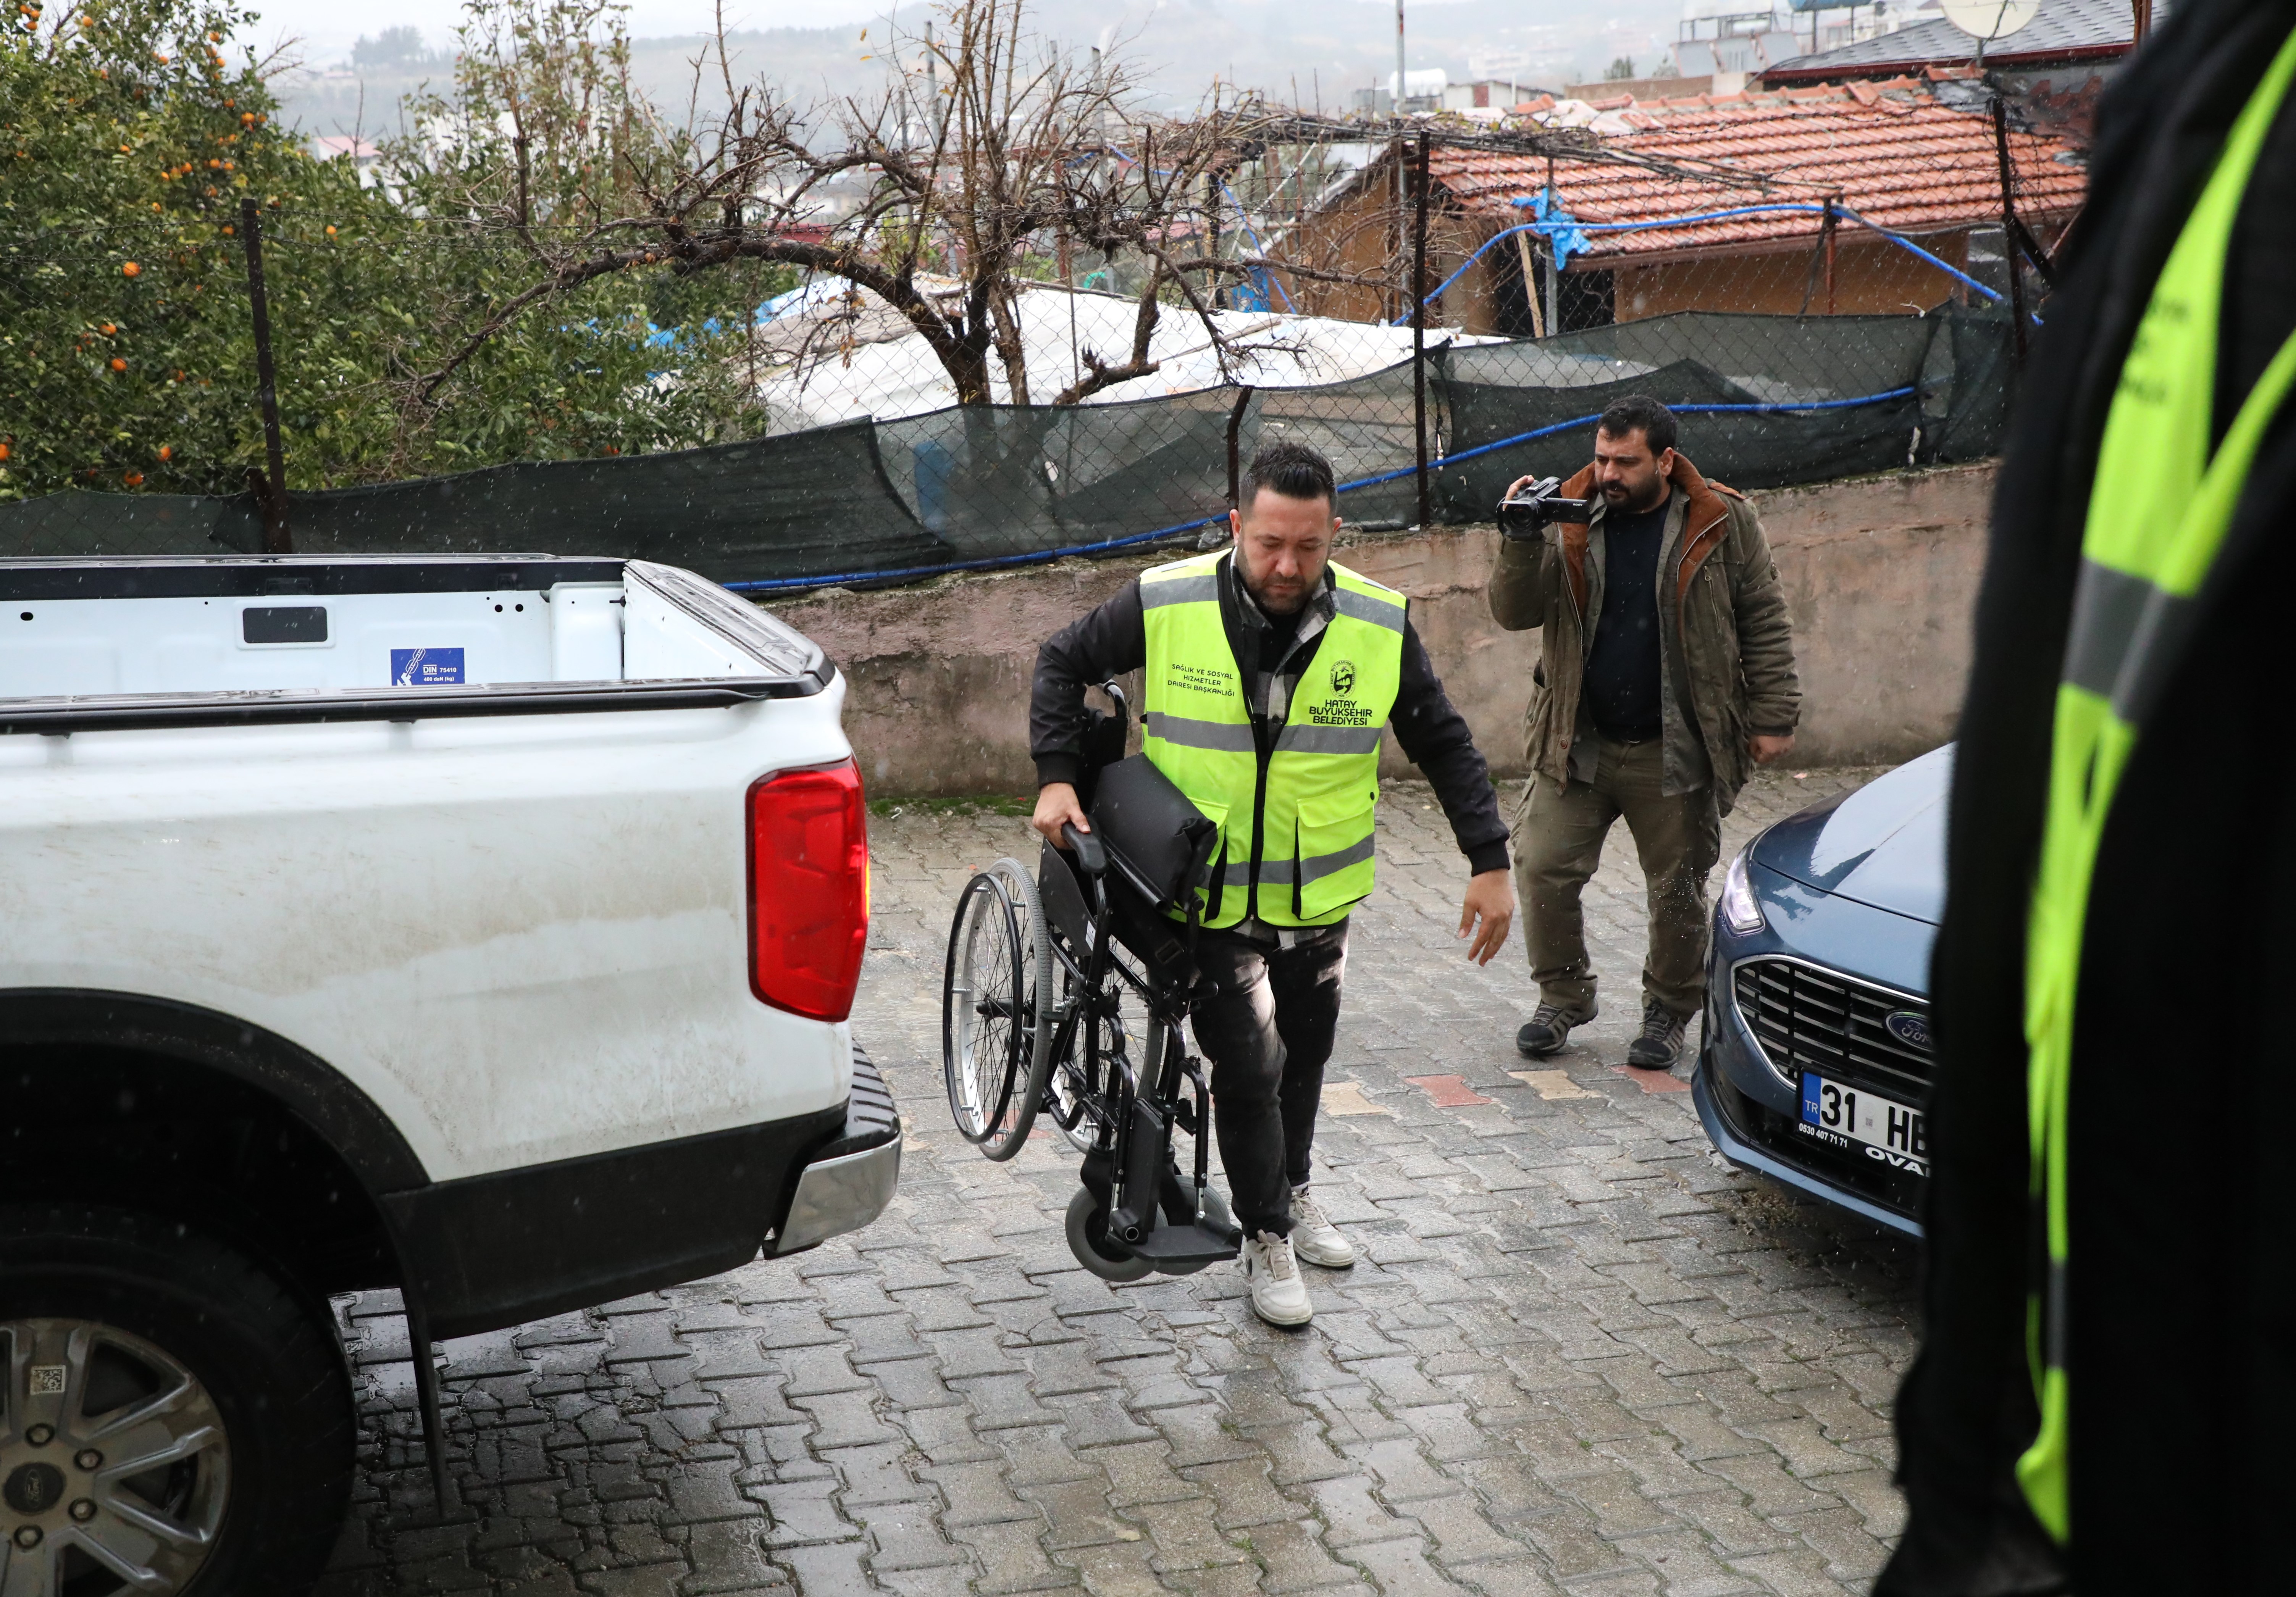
1558, 843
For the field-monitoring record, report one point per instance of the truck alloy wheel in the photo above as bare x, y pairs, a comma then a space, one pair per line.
177, 1418
119, 1466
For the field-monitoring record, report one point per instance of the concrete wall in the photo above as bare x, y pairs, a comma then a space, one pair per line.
1880, 573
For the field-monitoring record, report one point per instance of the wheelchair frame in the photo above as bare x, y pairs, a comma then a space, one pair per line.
1032, 1021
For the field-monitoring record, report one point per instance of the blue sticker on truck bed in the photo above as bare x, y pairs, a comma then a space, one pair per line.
425, 668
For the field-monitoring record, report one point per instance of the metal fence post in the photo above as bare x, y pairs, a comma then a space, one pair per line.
1833, 229
1419, 327
1234, 430
2009, 228
1212, 223
273, 497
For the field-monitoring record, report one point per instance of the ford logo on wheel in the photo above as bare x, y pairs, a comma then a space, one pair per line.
1909, 1027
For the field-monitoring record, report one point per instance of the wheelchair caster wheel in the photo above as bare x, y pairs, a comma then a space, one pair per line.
1086, 1222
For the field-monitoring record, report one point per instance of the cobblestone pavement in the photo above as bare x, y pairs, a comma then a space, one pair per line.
1578, 1354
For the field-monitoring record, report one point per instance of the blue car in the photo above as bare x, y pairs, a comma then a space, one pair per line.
1814, 1065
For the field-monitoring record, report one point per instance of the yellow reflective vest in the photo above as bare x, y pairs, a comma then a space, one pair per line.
2160, 506
1295, 818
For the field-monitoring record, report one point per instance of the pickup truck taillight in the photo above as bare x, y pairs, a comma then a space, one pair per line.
808, 890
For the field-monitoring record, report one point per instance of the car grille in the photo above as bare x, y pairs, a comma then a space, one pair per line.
1805, 1016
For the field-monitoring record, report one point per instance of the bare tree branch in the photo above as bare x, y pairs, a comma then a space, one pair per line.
944, 229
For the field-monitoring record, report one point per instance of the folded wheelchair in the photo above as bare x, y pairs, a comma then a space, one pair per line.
1041, 969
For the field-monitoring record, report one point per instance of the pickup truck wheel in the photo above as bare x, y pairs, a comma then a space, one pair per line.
178, 1421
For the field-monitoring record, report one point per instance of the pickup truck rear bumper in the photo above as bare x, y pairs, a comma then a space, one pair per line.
490, 1251
847, 1184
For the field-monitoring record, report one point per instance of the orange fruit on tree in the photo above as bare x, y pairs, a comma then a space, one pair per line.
118, 364
134, 480
130, 270
167, 452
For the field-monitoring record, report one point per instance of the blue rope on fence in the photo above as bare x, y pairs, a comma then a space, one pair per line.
1559, 222
1038, 557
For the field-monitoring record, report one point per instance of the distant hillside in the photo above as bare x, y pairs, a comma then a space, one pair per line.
1178, 48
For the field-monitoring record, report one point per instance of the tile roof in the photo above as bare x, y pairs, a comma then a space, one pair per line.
1891, 151
2060, 30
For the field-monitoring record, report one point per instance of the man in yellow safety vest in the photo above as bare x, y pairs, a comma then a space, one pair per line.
2103, 1402
1271, 671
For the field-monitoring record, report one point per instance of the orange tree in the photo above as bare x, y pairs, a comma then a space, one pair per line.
130, 133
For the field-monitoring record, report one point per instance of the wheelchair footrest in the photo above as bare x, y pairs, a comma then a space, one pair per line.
1185, 1245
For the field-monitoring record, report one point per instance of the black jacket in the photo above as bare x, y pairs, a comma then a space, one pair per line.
2182, 1267
1111, 640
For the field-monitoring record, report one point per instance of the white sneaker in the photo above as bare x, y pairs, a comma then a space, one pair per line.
1314, 1238
1278, 1295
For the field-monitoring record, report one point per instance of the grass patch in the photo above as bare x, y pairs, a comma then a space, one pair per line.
994, 805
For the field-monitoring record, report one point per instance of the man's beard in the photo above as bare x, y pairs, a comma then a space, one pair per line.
1285, 602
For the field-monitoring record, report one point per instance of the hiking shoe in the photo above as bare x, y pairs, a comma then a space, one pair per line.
1660, 1044
1548, 1030
1314, 1238
1278, 1295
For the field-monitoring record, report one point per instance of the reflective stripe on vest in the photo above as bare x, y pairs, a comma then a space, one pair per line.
2158, 509
1309, 823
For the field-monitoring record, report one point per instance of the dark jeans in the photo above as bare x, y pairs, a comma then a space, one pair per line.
1264, 1015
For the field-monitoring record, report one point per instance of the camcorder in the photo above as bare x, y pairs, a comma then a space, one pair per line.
1525, 518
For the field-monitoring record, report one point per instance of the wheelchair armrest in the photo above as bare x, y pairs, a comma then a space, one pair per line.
1091, 858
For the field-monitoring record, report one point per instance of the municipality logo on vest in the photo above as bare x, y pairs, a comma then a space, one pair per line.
1339, 709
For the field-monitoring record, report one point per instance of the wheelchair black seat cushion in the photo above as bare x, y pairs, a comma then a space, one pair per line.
1157, 941
1155, 837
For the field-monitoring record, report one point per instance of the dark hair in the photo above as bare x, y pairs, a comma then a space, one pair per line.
1291, 470
1639, 412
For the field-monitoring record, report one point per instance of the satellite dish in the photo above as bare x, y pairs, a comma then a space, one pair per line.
1990, 19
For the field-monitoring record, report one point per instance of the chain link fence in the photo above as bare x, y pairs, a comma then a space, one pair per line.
1764, 401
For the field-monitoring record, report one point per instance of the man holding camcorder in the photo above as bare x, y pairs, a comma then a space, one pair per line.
1666, 667
1271, 671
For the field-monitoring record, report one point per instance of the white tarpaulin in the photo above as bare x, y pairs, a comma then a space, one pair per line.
848, 356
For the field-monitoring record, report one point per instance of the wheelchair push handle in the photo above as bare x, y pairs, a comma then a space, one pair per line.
1091, 858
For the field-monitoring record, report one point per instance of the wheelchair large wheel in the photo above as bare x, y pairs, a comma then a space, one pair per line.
991, 1052
1041, 994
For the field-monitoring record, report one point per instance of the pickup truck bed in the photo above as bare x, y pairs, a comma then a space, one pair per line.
484, 926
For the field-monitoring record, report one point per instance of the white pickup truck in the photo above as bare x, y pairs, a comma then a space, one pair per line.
484, 926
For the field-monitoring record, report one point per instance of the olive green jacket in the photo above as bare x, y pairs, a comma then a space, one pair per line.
1726, 662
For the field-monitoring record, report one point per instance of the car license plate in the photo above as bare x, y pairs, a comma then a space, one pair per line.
1858, 1121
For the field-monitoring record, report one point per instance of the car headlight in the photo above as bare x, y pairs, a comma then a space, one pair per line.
1740, 910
